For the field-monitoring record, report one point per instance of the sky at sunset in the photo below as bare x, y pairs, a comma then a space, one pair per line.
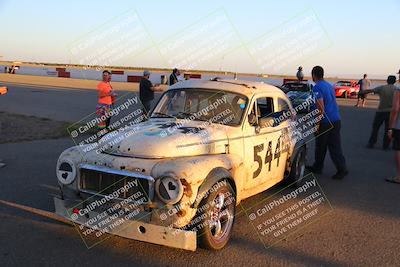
348, 38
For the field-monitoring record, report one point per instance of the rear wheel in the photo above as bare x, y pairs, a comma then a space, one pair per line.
215, 217
298, 168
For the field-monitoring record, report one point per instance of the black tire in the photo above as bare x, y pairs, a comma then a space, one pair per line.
211, 234
297, 170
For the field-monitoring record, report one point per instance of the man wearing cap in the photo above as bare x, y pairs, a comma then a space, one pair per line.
146, 91
394, 132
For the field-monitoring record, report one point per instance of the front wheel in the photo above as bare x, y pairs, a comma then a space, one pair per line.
215, 216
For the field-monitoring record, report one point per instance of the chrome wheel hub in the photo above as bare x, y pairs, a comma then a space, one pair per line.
221, 216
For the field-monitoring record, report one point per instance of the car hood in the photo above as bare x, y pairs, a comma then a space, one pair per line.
166, 138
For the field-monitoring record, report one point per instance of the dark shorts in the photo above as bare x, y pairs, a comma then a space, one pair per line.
396, 139
361, 95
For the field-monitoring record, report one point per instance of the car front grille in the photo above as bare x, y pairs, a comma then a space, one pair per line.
104, 181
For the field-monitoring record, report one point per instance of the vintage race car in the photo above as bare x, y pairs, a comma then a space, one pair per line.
176, 178
346, 89
299, 93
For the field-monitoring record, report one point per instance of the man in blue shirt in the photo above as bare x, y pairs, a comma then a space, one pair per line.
328, 134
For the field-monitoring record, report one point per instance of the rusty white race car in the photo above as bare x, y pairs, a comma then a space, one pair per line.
176, 178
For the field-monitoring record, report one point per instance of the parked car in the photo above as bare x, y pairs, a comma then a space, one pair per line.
206, 146
299, 94
346, 89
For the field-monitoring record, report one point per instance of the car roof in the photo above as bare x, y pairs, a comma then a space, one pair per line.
247, 88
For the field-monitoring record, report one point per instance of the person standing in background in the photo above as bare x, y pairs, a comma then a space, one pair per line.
394, 132
146, 91
364, 84
173, 78
299, 74
328, 133
382, 115
106, 100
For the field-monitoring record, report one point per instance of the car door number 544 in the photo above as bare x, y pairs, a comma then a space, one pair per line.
269, 157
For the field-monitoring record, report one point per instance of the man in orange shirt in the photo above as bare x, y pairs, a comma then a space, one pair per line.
106, 100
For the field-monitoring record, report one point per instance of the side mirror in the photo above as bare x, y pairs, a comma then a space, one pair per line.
252, 119
267, 122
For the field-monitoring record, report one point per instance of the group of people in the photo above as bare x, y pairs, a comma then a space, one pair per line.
328, 134
387, 114
107, 96
328, 129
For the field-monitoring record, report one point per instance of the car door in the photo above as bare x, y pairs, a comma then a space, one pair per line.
282, 125
262, 145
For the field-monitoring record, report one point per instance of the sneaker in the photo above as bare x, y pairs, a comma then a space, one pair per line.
314, 170
340, 175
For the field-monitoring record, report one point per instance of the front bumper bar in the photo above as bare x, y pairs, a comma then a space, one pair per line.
137, 230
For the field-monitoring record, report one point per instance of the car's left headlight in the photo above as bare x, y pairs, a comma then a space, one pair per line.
66, 171
169, 189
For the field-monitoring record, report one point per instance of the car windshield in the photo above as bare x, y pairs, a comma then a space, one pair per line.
343, 83
202, 105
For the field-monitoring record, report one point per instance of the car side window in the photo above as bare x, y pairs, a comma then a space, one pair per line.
283, 105
265, 107
282, 111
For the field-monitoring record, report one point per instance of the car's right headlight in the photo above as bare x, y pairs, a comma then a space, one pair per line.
66, 171
169, 189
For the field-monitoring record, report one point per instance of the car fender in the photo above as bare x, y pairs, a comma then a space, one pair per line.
300, 144
196, 172
216, 175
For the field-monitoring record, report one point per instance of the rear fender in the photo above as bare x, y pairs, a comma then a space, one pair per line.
300, 145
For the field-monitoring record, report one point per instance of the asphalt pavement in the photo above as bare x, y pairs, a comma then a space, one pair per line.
362, 230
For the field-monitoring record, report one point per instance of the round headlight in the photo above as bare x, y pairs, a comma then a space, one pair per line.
169, 190
66, 172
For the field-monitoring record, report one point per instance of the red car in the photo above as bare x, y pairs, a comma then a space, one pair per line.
346, 89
